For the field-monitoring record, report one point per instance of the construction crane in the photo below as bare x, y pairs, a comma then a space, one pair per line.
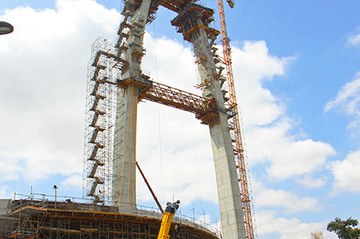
167, 219
236, 130
168, 214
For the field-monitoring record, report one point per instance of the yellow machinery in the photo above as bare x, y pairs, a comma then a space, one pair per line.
167, 219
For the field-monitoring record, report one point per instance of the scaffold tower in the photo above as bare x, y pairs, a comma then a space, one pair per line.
104, 66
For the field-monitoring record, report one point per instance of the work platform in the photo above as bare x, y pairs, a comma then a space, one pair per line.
34, 218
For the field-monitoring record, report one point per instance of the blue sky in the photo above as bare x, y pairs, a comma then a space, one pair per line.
296, 66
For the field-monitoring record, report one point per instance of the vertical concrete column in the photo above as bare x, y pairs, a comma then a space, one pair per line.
124, 159
232, 219
124, 164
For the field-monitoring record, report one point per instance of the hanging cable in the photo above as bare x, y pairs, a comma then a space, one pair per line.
198, 173
158, 107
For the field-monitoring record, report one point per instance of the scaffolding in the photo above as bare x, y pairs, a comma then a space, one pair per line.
41, 218
103, 69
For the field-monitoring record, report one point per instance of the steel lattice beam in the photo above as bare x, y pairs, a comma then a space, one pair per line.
204, 108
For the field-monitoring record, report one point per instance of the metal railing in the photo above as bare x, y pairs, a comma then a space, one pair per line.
71, 203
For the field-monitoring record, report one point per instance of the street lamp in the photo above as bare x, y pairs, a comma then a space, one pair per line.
55, 188
5, 28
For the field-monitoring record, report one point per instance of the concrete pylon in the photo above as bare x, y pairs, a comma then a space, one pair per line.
124, 158
191, 22
232, 218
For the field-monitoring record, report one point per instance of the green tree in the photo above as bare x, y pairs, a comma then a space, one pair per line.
344, 229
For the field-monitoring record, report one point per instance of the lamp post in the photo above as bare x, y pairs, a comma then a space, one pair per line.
5, 28
55, 188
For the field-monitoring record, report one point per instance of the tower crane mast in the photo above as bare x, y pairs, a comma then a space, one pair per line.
236, 130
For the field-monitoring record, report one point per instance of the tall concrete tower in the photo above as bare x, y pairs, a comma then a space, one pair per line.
124, 159
192, 22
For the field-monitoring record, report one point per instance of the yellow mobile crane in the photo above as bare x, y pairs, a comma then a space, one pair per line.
169, 210
167, 219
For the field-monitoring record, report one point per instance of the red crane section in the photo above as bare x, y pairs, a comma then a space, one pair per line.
236, 130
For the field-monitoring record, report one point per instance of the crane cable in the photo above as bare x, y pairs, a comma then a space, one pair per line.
158, 106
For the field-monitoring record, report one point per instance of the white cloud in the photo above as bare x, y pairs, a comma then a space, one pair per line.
287, 200
354, 40
252, 66
164, 57
73, 182
288, 155
311, 182
285, 227
346, 173
282, 200
347, 101
267, 127
42, 94
4, 191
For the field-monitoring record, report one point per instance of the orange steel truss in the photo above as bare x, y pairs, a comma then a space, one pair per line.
204, 108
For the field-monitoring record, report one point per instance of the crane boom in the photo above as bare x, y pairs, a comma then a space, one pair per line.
238, 144
167, 219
